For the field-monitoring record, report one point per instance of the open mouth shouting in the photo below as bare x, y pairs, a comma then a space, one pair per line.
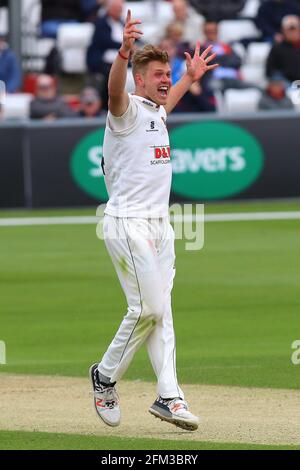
163, 91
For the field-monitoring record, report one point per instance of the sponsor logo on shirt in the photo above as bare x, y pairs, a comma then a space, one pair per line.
152, 127
162, 155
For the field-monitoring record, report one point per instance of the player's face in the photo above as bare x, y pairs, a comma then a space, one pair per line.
157, 82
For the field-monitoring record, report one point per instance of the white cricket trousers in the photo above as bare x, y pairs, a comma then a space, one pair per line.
142, 251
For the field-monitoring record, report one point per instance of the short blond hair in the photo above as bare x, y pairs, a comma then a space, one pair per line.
148, 53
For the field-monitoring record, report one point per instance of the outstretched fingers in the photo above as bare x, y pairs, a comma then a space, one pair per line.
188, 58
211, 57
128, 17
132, 23
134, 33
131, 31
212, 67
206, 52
197, 49
129, 22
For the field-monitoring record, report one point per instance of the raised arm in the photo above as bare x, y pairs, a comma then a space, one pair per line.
196, 67
118, 97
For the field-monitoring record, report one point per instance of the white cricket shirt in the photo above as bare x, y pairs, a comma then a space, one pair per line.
137, 163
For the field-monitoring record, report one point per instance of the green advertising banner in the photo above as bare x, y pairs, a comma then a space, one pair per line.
212, 160
86, 165
214, 157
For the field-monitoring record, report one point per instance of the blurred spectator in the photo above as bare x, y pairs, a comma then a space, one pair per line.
174, 32
284, 57
218, 9
90, 9
47, 104
197, 99
2, 99
227, 75
106, 42
10, 69
90, 103
270, 15
57, 12
177, 63
53, 62
189, 19
274, 97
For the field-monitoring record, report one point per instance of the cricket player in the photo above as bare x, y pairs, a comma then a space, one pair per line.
137, 231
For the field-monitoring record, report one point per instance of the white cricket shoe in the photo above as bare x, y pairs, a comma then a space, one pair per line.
106, 399
174, 411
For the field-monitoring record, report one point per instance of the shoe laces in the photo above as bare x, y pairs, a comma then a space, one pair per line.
174, 404
108, 393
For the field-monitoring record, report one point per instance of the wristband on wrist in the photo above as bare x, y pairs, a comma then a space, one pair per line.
123, 56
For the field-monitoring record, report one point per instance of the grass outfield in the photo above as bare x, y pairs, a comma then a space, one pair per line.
210, 208
46, 441
236, 303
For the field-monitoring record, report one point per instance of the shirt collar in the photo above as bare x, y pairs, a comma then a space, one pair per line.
147, 102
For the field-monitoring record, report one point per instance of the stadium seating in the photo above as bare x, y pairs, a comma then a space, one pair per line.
254, 74
234, 30
35, 51
151, 15
293, 92
73, 41
17, 106
240, 50
220, 102
241, 100
250, 9
3, 20
35, 48
73, 51
148, 12
257, 53
253, 70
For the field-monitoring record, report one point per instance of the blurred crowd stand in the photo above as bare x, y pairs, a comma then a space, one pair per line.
72, 44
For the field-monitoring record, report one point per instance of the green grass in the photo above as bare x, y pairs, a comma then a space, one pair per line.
15, 440
236, 303
210, 208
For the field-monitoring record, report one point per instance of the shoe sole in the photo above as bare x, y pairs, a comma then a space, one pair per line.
179, 423
112, 425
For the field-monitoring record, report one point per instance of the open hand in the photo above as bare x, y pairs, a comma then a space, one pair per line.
198, 65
